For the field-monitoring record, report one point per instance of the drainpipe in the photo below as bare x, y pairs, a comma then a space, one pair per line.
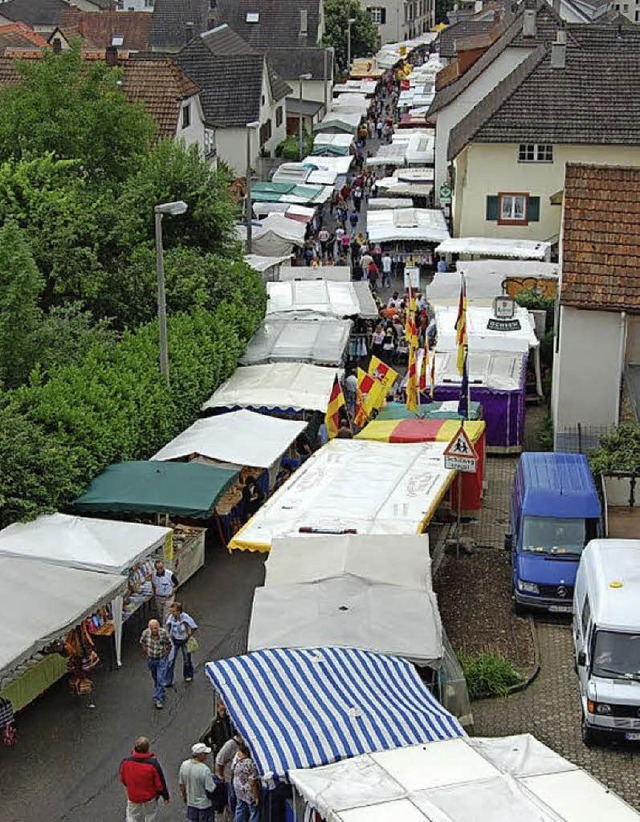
621, 350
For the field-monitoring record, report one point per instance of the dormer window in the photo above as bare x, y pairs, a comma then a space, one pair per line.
117, 40
252, 17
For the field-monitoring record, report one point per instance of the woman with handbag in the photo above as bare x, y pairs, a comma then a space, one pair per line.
181, 629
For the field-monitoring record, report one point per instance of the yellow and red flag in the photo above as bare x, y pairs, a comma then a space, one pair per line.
411, 329
432, 380
381, 372
424, 367
336, 402
412, 382
461, 326
363, 408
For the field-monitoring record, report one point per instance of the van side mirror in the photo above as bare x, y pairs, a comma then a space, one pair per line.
508, 542
582, 659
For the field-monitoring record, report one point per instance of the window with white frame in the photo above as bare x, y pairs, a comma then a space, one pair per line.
209, 142
513, 207
535, 153
378, 15
186, 115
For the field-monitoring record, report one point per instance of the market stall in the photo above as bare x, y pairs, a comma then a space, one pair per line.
44, 602
336, 144
494, 247
368, 592
329, 297
269, 267
291, 706
105, 546
497, 380
336, 273
487, 279
275, 236
430, 411
415, 226
353, 486
437, 430
307, 194
281, 387
464, 779
339, 122
314, 339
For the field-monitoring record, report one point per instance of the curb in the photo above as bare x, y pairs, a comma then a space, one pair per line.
533, 673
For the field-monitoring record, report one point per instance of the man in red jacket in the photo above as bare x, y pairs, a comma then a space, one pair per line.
142, 776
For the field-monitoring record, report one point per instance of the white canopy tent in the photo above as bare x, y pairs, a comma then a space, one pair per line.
337, 273
339, 121
425, 225
274, 236
315, 339
369, 592
480, 336
357, 486
108, 546
337, 166
303, 214
385, 203
340, 141
335, 299
493, 247
484, 279
412, 182
238, 438
389, 154
460, 780
366, 87
350, 102
500, 370
269, 266
277, 386
44, 602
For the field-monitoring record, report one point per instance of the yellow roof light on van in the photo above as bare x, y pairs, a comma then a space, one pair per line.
616, 584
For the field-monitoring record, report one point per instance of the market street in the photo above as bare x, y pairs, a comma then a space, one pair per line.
70, 753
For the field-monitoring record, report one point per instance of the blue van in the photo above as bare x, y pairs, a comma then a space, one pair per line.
555, 511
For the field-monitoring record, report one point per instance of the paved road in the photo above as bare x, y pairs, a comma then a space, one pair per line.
550, 710
65, 765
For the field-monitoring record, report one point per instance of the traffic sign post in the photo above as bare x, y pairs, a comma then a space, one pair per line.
460, 456
445, 193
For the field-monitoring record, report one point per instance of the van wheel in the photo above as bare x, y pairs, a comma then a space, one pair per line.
588, 735
518, 608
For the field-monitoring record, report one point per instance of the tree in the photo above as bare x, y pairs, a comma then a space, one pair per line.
364, 35
20, 287
76, 110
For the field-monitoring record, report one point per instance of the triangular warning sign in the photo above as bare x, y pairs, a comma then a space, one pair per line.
460, 446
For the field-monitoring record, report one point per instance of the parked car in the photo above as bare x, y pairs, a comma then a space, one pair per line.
606, 635
555, 511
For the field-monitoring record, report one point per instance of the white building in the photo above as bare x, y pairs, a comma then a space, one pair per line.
401, 19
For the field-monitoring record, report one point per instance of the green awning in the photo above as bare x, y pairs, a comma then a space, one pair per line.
432, 411
328, 150
187, 489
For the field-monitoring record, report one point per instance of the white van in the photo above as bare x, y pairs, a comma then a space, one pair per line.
606, 634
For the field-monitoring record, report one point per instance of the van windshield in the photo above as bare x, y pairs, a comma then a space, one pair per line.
616, 655
548, 535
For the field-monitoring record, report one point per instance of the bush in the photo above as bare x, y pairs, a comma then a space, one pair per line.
488, 674
544, 435
619, 450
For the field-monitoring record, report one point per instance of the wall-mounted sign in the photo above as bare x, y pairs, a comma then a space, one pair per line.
504, 308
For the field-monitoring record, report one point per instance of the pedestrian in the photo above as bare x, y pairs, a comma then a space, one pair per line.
252, 496
350, 389
353, 221
180, 627
225, 762
246, 785
344, 431
386, 270
379, 127
345, 242
309, 254
156, 647
324, 236
357, 199
164, 584
366, 259
220, 730
195, 781
442, 265
377, 339
144, 782
372, 275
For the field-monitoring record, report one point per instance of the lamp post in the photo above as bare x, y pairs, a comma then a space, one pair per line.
306, 76
350, 22
172, 209
248, 210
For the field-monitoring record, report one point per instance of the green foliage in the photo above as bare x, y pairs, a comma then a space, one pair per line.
20, 288
364, 35
488, 674
76, 110
443, 7
544, 435
288, 148
66, 334
531, 299
619, 450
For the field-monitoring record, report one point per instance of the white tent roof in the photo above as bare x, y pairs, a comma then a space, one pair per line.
384, 203
275, 235
354, 484
501, 371
337, 273
292, 212
455, 780
367, 87
482, 338
277, 385
426, 225
319, 340
389, 154
350, 102
493, 247
104, 545
342, 140
263, 264
45, 601
347, 121
484, 278
335, 299
338, 166
370, 592
239, 438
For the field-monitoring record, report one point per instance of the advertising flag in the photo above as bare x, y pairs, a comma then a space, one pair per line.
412, 383
381, 372
365, 384
336, 402
461, 326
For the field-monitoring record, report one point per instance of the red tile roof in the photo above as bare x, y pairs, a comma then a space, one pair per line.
98, 29
601, 238
19, 35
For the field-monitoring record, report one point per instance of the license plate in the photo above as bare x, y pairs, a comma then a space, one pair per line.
632, 737
560, 609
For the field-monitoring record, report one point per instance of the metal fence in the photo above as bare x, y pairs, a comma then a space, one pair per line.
579, 439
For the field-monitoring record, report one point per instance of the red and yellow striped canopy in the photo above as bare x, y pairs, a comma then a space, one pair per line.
416, 430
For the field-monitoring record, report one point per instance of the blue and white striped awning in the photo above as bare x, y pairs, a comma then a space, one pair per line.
299, 708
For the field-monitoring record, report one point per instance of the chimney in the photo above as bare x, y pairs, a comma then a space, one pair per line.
111, 56
559, 50
57, 45
189, 29
529, 23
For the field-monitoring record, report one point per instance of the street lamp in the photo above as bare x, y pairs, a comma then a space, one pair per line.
350, 22
249, 213
301, 77
173, 210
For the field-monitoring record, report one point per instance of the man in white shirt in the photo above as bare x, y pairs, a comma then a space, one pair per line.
195, 779
386, 270
180, 627
164, 584
225, 761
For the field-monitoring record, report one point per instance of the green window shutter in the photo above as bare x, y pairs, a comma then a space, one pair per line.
383, 16
533, 209
492, 208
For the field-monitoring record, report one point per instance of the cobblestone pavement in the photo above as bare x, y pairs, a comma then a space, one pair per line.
550, 708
